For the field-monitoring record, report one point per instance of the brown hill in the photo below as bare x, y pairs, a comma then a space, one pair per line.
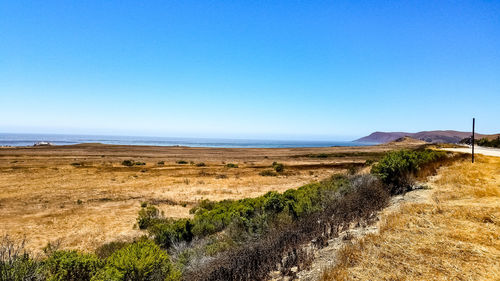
405, 141
438, 136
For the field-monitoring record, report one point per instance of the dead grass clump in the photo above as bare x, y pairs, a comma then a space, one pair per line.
221, 176
268, 173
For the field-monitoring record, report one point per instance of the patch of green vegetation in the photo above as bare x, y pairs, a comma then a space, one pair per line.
489, 143
231, 165
483, 142
278, 167
128, 163
107, 249
71, 266
148, 216
201, 164
141, 261
398, 169
250, 216
16, 263
182, 162
161, 163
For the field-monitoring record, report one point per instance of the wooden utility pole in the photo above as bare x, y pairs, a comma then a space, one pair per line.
473, 125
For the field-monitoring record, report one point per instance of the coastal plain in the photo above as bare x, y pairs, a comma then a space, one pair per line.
81, 196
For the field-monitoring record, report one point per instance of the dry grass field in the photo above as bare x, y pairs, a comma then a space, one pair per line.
83, 196
455, 235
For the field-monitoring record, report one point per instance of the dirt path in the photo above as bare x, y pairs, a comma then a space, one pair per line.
479, 150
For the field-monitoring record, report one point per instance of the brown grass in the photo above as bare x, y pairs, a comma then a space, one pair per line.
453, 236
45, 196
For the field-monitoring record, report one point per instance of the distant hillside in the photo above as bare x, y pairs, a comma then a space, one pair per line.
447, 136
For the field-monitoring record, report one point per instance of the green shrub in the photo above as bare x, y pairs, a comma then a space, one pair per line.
107, 249
181, 162
140, 163
489, 143
231, 165
278, 167
71, 266
268, 173
16, 263
398, 169
169, 232
201, 164
128, 163
140, 261
148, 216
20, 268
161, 163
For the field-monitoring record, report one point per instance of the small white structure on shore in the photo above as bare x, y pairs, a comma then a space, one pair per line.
43, 143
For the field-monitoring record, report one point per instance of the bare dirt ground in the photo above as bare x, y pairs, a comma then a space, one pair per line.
83, 195
454, 234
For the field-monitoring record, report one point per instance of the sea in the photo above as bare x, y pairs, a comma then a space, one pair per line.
9, 139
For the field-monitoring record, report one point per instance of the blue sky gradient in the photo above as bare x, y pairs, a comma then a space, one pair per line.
249, 69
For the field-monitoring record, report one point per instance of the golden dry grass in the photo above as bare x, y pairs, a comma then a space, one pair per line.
454, 236
44, 197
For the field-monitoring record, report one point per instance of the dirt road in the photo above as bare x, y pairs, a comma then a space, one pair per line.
479, 150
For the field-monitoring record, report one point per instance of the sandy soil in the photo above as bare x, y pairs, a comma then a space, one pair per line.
84, 196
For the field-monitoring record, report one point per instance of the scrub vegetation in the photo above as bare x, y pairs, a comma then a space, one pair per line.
453, 235
243, 239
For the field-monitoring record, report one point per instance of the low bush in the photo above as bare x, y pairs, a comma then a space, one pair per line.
489, 143
278, 167
16, 263
161, 163
128, 163
398, 169
168, 232
231, 165
148, 216
140, 261
107, 249
71, 266
201, 164
182, 162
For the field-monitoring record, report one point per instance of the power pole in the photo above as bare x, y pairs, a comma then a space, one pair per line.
473, 125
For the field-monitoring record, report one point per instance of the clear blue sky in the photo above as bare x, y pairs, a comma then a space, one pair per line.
258, 69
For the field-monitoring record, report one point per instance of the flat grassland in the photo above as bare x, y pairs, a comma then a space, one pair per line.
83, 196
455, 235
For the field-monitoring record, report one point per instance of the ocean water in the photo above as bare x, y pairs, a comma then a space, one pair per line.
7, 139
